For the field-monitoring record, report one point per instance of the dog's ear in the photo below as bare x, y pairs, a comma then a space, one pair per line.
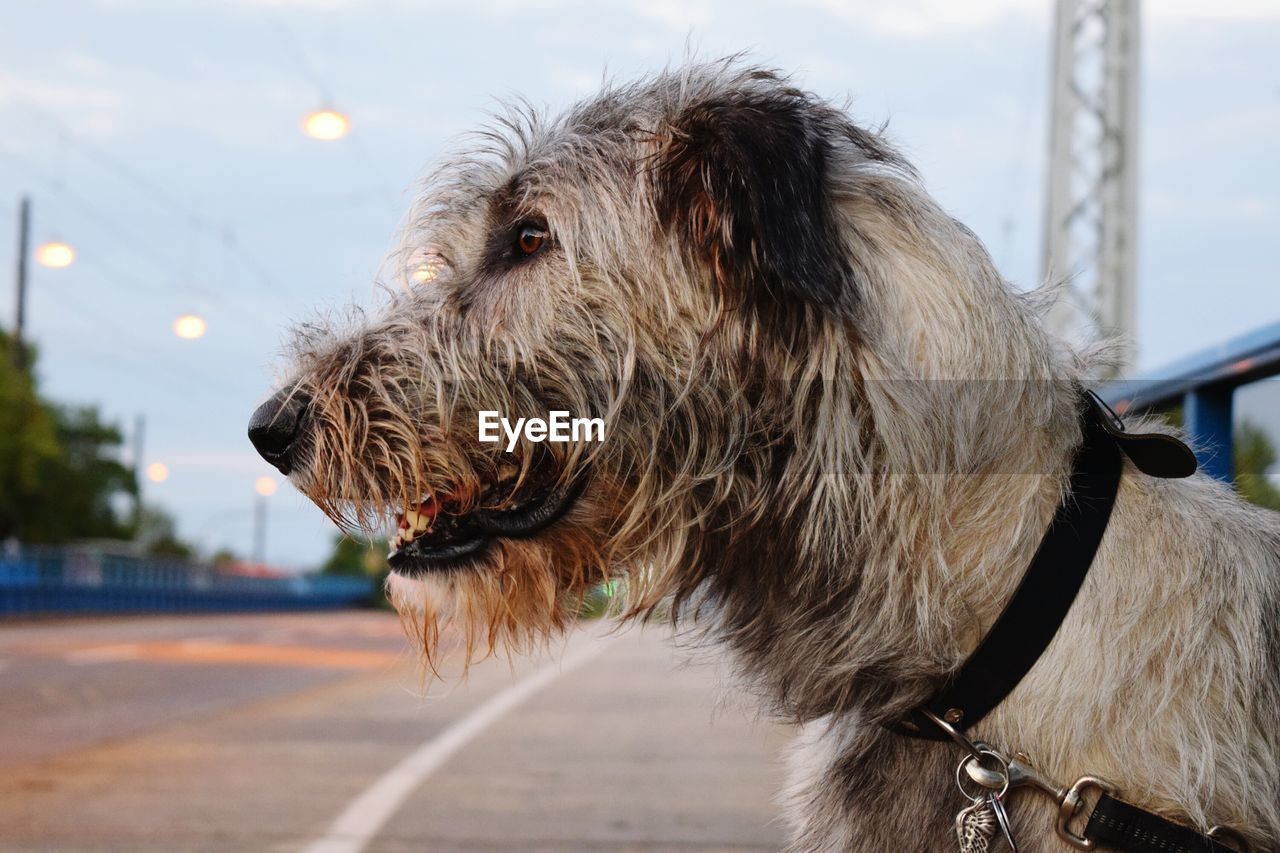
742, 178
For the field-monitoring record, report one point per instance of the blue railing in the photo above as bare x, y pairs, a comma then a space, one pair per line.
46, 580
1204, 385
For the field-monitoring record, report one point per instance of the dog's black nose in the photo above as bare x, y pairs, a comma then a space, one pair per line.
276, 428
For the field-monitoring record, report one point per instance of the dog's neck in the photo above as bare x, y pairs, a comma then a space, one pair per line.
889, 579
854, 643
904, 549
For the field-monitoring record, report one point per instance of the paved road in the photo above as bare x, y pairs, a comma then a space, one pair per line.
312, 733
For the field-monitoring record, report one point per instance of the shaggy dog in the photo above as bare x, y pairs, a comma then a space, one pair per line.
835, 436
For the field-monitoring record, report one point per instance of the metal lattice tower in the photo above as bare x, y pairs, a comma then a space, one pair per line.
1091, 226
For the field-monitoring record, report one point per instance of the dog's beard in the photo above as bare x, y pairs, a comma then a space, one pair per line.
517, 594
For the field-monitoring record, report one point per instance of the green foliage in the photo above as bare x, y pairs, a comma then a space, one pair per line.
157, 533
60, 476
28, 442
361, 559
83, 487
598, 601
1254, 457
356, 558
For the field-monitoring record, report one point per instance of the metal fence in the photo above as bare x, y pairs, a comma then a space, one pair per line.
69, 580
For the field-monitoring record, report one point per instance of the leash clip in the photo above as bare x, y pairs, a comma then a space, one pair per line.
1022, 774
1069, 806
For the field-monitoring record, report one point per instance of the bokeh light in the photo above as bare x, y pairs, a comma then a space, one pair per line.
189, 327
326, 125
426, 272
55, 255
157, 472
425, 265
265, 486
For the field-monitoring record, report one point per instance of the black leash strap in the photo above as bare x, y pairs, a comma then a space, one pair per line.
1031, 618
1116, 825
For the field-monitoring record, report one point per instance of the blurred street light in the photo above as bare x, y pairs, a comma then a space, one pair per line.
428, 269
55, 254
157, 472
265, 486
326, 125
189, 327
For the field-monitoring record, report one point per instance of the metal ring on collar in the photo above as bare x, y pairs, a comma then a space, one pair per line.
1002, 774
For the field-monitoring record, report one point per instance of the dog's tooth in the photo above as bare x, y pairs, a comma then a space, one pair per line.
411, 519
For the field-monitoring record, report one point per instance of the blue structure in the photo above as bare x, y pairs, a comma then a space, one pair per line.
74, 580
1204, 384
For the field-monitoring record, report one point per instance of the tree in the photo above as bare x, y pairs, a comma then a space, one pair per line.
361, 559
28, 441
1254, 457
356, 558
82, 489
157, 534
60, 473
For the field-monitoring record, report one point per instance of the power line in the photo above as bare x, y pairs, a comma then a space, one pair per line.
223, 231
325, 93
122, 169
299, 56
142, 248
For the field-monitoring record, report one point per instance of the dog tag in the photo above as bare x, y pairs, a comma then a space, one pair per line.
976, 825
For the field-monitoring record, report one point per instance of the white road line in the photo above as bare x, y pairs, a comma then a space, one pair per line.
101, 654
369, 812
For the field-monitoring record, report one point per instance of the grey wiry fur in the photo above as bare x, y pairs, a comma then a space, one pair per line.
835, 436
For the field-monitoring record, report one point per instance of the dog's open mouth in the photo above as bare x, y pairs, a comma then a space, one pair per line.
435, 537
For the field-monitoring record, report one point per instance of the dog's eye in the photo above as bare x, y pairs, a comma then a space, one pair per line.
529, 239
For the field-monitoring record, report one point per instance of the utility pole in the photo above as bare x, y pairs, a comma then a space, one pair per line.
260, 530
139, 432
1091, 232
20, 312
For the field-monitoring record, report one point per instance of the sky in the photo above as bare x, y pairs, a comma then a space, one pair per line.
162, 139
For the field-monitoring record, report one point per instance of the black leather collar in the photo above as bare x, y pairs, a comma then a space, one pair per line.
1032, 616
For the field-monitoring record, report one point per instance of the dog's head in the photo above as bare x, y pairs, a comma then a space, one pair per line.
694, 261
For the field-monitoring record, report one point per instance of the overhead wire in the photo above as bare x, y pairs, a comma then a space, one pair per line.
142, 248
325, 92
